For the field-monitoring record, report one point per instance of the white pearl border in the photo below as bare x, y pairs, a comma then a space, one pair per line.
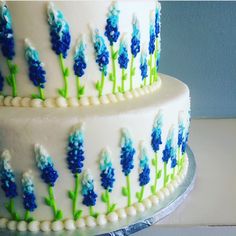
88, 221
60, 102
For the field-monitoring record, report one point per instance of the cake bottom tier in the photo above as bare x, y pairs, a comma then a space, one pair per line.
131, 150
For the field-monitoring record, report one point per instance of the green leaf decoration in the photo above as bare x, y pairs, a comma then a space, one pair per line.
97, 85
125, 77
133, 71
172, 176
47, 201
149, 62
71, 195
154, 162
104, 197
9, 81
167, 178
8, 207
59, 215
61, 92
81, 90
111, 77
112, 208
14, 69
153, 189
153, 71
115, 55
67, 72
158, 176
35, 96
124, 191
78, 214
15, 216
120, 89
138, 195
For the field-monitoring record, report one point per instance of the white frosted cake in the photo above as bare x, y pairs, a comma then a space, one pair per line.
90, 132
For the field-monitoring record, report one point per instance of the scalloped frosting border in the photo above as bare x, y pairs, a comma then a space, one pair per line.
60, 102
101, 220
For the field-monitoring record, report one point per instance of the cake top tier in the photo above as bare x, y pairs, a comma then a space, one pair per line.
79, 49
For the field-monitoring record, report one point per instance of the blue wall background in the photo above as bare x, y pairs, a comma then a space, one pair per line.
199, 48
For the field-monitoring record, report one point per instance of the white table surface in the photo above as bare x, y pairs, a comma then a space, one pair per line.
213, 200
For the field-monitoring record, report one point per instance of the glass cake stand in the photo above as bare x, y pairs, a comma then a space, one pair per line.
136, 223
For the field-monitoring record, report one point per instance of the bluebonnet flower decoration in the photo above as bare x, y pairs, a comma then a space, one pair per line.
168, 153
123, 60
157, 19
112, 27
184, 144
102, 58
107, 178
88, 192
144, 171
60, 40
75, 159
29, 198
8, 183
7, 45
49, 175
1, 82
80, 64
135, 48
6, 32
127, 161
151, 46
37, 73
156, 141
173, 157
144, 67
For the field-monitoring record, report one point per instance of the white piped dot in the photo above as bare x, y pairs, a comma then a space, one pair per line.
73, 102
112, 217
7, 101
128, 95
90, 221
94, 101
25, 102
50, 102
104, 100
154, 199
171, 188
161, 195
57, 226
69, 224
166, 191
1, 100
84, 101
121, 213
36, 103
147, 203
101, 220
33, 226
112, 98
80, 223
120, 97
61, 102
45, 226
140, 207
11, 225
16, 102
131, 211
3, 223
22, 226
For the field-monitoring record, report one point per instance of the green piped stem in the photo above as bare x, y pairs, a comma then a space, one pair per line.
28, 217
65, 73
13, 72
165, 174
173, 174
145, 82
79, 87
123, 81
41, 93
179, 159
53, 202
92, 212
108, 201
150, 69
76, 194
131, 74
102, 85
156, 171
12, 211
141, 194
114, 78
128, 190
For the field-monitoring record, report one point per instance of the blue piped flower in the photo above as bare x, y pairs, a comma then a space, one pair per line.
181, 130
102, 54
184, 144
36, 71
157, 132
173, 157
88, 189
75, 152
59, 31
80, 62
144, 169
127, 153
29, 198
44, 162
8, 182
135, 40
1, 81
144, 65
152, 35
157, 19
107, 171
112, 27
168, 151
123, 58
6, 33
